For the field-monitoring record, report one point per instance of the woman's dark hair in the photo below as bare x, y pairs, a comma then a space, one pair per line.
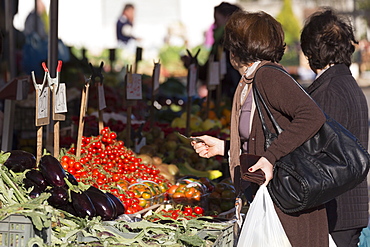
327, 39
254, 36
226, 9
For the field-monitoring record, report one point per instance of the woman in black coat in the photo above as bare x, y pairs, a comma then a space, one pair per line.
328, 43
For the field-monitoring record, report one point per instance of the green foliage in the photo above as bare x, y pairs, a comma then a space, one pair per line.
291, 56
364, 5
290, 23
170, 57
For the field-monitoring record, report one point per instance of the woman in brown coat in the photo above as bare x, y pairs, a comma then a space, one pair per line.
255, 40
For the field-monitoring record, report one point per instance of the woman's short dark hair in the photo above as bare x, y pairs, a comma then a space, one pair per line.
327, 39
254, 36
226, 9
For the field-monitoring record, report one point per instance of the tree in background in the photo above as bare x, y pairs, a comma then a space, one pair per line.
364, 9
290, 23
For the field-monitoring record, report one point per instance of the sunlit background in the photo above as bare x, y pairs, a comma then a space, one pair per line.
91, 23
167, 29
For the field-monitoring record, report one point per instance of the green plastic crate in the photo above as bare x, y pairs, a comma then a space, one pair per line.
224, 237
16, 230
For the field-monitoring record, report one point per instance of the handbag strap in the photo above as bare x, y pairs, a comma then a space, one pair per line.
258, 97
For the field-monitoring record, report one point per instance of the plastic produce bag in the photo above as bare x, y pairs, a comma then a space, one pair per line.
262, 226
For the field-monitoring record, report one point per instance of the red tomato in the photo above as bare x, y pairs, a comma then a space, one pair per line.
77, 166
65, 158
65, 165
113, 135
188, 210
198, 210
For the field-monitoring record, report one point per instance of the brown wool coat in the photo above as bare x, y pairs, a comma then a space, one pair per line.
300, 118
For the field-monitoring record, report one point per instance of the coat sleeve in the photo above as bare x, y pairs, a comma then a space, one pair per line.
298, 115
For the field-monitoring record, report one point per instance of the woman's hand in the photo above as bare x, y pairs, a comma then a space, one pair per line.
211, 146
265, 166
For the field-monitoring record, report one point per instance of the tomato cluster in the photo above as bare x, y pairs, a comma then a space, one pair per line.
108, 165
186, 212
149, 192
188, 191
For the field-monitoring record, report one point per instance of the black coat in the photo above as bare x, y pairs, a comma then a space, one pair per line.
338, 94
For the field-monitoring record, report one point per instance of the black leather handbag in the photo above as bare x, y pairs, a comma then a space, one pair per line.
324, 167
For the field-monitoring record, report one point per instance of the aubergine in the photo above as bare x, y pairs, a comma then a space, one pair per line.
37, 178
59, 196
27, 183
71, 178
68, 208
36, 192
20, 160
120, 208
102, 203
52, 171
83, 205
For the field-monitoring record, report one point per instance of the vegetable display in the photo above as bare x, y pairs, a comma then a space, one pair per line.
107, 164
20, 160
91, 201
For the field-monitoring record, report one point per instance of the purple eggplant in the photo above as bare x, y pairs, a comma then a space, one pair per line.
71, 178
59, 196
27, 183
36, 177
83, 205
36, 192
52, 171
120, 208
20, 160
68, 208
102, 203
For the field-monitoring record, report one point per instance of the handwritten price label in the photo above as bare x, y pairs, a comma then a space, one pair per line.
134, 91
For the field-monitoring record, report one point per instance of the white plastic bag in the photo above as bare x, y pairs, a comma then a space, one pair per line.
262, 226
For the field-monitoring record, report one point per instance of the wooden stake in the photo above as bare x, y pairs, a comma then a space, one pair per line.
39, 144
81, 123
101, 121
42, 116
155, 87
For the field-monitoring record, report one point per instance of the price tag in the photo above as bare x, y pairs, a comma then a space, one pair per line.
60, 99
43, 103
192, 80
101, 96
214, 75
134, 91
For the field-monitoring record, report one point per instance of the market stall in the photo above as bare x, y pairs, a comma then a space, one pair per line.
109, 164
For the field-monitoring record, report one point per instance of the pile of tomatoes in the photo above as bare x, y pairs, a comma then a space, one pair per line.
186, 212
108, 165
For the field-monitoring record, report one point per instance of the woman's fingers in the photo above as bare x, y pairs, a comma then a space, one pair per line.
265, 166
201, 149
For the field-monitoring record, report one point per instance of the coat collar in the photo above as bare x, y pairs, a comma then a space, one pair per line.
248, 78
335, 70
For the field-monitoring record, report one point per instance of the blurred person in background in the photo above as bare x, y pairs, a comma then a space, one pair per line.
222, 12
125, 24
328, 42
37, 21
